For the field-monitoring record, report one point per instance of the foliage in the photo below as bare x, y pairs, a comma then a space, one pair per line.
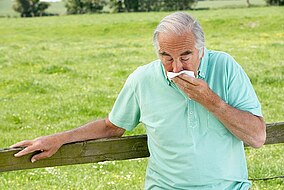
172, 5
30, 8
57, 74
152, 5
275, 2
84, 6
116, 6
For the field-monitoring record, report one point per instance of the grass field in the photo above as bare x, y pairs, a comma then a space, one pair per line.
57, 73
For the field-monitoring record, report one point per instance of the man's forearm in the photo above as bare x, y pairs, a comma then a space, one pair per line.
244, 125
92, 130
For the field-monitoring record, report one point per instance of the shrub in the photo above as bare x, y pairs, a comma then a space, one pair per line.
84, 6
151, 5
172, 5
30, 8
275, 2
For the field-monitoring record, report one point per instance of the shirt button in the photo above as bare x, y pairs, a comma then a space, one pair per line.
190, 112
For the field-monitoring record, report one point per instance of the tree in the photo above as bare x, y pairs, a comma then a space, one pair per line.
275, 2
84, 6
131, 5
116, 6
172, 5
30, 8
151, 5
248, 3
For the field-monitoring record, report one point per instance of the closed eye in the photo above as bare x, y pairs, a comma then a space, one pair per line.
184, 59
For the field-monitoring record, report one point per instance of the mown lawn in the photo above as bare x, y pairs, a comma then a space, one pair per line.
57, 73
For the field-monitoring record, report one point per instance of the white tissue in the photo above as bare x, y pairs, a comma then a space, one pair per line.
172, 74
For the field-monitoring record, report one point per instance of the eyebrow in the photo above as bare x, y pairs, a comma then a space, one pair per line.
186, 53
182, 54
164, 53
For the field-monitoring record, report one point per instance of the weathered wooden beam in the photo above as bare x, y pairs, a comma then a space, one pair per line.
102, 150
80, 153
275, 133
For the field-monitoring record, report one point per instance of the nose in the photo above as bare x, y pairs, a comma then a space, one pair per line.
177, 66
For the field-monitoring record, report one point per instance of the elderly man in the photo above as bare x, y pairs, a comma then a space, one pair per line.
196, 125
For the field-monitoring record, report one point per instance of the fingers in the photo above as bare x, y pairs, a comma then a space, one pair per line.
44, 145
44, 154
39, 156
22, 144
191, 86
188, 79
29, 147
25, 151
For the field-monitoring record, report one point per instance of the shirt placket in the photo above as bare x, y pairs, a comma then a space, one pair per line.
192, 118
191, 108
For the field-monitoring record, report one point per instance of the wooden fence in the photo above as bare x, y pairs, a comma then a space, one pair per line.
102, 150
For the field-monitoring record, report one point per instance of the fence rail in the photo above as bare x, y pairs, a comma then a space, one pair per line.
92, 151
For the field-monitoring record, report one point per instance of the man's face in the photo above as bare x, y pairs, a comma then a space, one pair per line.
178, 53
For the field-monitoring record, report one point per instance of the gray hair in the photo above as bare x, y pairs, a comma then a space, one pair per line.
180, 23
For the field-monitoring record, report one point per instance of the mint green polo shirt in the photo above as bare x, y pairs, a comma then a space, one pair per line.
189, 147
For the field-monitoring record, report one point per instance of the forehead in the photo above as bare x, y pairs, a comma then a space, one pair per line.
169, 42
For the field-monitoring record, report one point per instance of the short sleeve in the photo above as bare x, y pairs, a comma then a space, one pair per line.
241, 93
126, 112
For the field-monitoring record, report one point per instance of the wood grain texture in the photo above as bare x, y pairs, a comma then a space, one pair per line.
79, 153
102, 150
275, 133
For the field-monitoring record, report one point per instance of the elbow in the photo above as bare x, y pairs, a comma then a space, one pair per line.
113, 130
259, 139
258, 142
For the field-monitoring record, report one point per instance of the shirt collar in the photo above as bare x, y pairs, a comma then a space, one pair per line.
165, 77
203, 65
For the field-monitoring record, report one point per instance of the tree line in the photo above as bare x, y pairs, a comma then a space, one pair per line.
31, 8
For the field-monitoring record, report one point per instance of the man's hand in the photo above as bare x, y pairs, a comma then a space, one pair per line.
48, 145
196, 89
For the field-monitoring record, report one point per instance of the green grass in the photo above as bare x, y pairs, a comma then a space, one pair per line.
57, 73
